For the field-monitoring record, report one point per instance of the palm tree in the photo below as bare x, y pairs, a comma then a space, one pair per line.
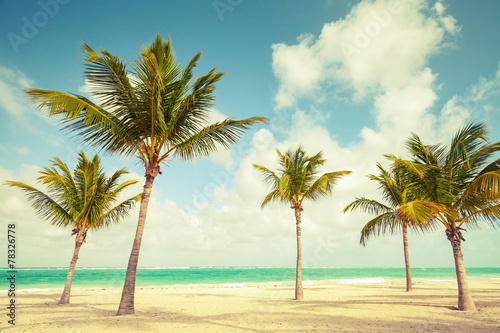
152, 110
463, 180
82, 200
295, 184
395, 192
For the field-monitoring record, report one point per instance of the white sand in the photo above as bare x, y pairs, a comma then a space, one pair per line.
385, 307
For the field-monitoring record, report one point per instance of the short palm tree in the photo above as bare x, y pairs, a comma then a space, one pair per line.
152, 110
296, 183
463, 180
396, 194
82, 201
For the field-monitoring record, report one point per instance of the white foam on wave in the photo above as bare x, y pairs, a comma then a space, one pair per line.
439, 280
307, 283
362, 280
26, 290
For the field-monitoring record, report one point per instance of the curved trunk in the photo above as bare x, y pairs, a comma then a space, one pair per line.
465, 302
127, 299
407, 258
69, 278
299, 293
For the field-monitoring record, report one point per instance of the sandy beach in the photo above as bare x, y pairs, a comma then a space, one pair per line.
342, 308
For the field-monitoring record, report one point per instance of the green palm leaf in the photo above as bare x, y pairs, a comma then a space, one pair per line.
368, 206
78, 200
383, 223
150, 108
297, 180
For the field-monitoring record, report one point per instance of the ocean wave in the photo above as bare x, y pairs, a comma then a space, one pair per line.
27, 290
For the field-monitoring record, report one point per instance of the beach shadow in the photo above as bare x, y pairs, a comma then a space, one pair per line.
264, 313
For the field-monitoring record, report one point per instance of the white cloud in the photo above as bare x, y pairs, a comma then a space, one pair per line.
379, 54
298, 69
12, 83
480, 100
23, 151
86, 89
485, 88
380, 45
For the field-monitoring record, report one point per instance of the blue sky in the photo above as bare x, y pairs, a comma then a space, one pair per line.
351, 78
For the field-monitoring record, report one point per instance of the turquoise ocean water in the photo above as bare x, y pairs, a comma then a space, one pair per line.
54, 278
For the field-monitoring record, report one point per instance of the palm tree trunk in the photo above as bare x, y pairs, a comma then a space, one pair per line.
299, 293
465, 302
407, 258
127, 300
69, 278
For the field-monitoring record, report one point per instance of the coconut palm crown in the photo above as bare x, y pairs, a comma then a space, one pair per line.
463, 180
298, 181
151, 109
83, 201
396, 194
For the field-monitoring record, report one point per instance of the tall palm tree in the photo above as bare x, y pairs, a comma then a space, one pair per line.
296, 183
464, 181
151, 110
83, 201
396, 194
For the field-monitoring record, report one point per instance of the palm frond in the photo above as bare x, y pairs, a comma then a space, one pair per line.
151, 110
273, 196
108, 78
45, 207
489, 212
386, 222
285, 188
268, 176
368, 206
297, 179
207, 140
323, 186
420, 212
467, 140
485, 185
116, 214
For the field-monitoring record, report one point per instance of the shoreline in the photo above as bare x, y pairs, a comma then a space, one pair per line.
375, 281
353, 308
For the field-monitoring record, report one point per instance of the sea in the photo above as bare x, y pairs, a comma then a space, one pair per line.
53, 278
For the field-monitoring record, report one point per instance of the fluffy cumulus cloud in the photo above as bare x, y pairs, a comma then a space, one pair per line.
379, 46
378, 54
